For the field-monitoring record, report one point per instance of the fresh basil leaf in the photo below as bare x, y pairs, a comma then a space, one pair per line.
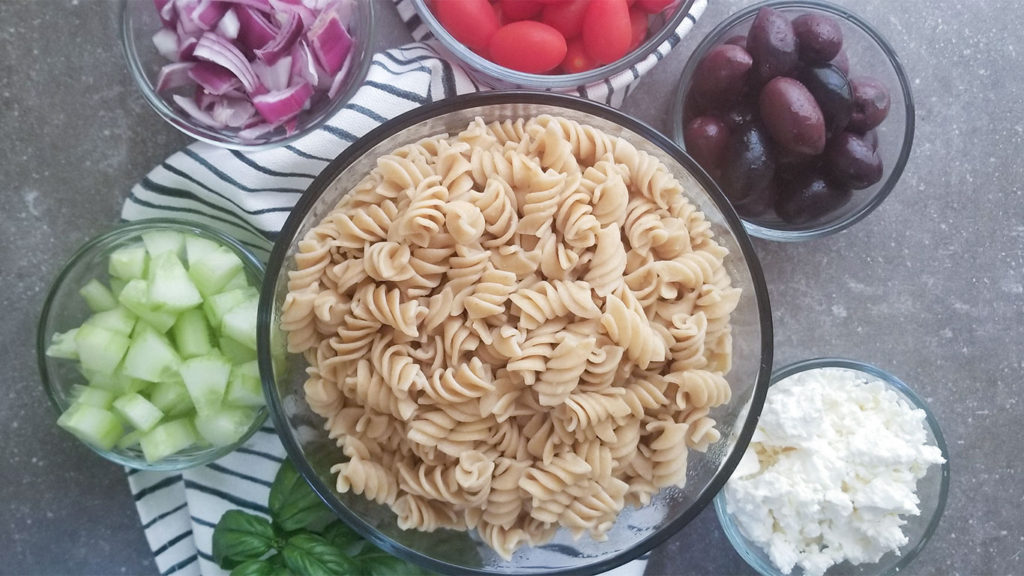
256, 568
293, 504
344, 538
307, 554
380, 563
240, 536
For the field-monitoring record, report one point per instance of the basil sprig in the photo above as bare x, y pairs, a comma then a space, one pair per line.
299, 539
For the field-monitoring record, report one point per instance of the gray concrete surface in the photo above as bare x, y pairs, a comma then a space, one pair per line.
930, 286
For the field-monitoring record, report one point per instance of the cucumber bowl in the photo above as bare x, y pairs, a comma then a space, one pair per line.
147, 345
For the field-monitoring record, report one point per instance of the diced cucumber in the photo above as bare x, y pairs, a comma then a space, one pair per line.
192, 334
236, 352
214, 270
206, 378
138, 411
218, 305
91, 395
240, 280
244, 386
100, 350
151, 356
130, 439
116, 285
62, 345
95, 426
119, 319
170, 288
116, 383
168, 438
196, 248
135, 297
240, 323
97, 296
225, 425
128, 263
160, 242
172, 398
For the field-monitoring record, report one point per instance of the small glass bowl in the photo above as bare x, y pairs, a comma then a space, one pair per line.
139, 21
663, 25
932, 490
64, 309
869, 55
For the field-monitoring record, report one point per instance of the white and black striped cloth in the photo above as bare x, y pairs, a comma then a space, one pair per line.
249, 196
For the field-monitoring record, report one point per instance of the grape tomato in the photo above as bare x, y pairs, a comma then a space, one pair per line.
638, 27
515, 10
576, 58
528, 46
565, 16
471, 22
606, 30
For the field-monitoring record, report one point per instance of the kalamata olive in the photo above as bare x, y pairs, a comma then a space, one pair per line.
808, 196
721, 76
738, 40
842, 61
870, 103
749, 165
759, 202
818, 37
792, 117
772, 44
871, 137
852, 162
706, 139
831, 90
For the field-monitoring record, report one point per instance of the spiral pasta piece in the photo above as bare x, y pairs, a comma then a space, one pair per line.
605, 274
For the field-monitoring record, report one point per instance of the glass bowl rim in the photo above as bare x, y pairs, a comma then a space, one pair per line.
551, 81
426, 112
212, 136
743, 546
896, 172
126, 230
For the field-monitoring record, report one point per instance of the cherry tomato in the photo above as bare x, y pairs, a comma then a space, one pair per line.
576, 59
515, 10
606, 30
499, 13
528, 46
654, 6
638, 26
471, 22
565, 16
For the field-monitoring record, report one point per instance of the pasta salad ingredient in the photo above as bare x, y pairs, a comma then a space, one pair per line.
252, 67
520, 327
169, 352
532, 36
831, 471
797, 123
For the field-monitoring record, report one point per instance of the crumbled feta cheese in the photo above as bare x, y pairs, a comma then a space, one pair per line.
831, 468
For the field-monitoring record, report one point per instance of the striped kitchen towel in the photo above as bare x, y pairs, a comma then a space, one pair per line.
249, 196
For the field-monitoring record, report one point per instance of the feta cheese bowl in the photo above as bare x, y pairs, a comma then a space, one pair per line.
847, 473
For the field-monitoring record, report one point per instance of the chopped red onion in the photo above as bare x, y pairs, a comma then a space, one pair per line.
282, 44
229, 26
214, 79
280, 105
276, 76
173, 75
329, 41
166, 42
213, 48
255, 64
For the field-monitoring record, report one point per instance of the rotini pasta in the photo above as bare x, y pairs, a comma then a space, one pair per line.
519, 328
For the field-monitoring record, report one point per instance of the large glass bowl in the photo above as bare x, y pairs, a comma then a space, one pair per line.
64, 309
637, 531
932, 490
661, 27
869, 55
140, 20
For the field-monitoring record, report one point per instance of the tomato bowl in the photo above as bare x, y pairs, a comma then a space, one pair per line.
663, 18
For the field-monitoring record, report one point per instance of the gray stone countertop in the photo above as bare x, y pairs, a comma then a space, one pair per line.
930, 286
